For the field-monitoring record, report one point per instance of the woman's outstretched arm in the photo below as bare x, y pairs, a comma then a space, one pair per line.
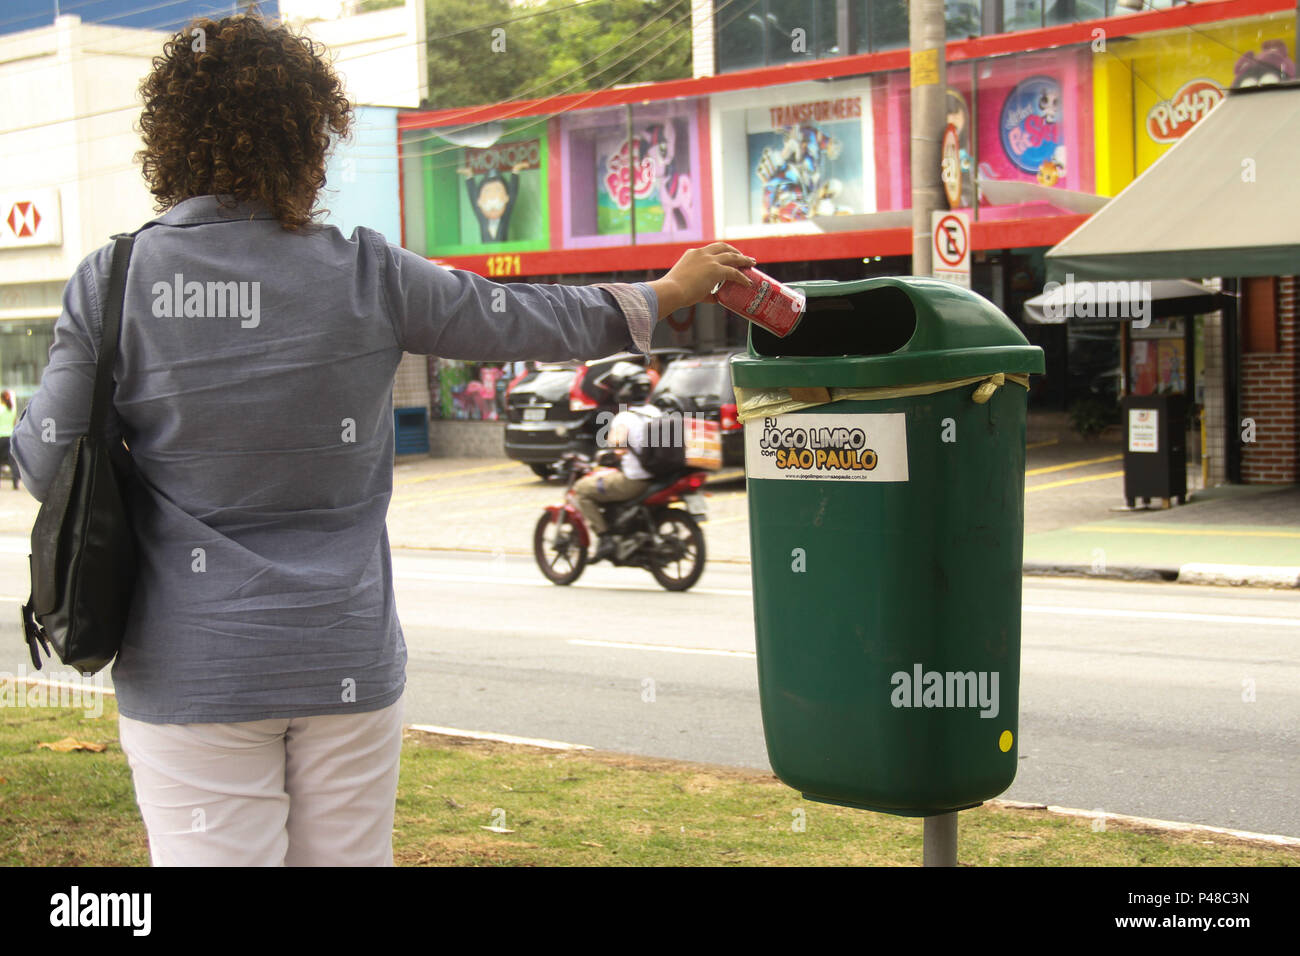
461, 315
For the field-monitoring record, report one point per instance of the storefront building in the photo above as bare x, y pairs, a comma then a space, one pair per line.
1237, 366
68, 180
804, 164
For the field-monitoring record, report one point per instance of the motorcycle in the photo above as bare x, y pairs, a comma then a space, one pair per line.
649, 531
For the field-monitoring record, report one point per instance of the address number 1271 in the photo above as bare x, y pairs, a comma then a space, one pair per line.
504, 266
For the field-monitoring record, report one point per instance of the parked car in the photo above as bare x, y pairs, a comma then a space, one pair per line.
701, 385
556, 408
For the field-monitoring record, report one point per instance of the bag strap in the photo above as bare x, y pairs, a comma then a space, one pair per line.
103, 393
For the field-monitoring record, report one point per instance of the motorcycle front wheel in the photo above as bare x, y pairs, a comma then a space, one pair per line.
678, 558
557, 549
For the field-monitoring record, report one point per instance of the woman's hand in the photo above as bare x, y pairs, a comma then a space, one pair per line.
697, 273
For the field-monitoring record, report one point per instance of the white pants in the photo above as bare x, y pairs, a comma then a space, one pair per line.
307, 791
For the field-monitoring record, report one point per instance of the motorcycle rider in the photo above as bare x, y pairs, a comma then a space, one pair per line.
629, 386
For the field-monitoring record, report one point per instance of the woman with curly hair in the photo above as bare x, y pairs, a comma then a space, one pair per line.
261, 674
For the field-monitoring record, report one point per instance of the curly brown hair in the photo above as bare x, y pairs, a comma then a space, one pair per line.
242, 109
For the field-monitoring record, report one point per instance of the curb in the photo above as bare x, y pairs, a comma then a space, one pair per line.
1119, 572
1239, 575
1223, 575
1272, 839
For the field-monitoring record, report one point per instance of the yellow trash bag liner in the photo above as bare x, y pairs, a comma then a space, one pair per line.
754, 403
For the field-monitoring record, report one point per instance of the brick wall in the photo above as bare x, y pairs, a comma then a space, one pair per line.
411, 387
1214, 399
1270, 395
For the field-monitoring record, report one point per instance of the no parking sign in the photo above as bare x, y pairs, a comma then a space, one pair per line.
950, 238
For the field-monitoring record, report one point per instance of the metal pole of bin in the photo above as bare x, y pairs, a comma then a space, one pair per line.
940, 840
926, 36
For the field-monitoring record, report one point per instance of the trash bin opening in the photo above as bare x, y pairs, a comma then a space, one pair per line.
871, 322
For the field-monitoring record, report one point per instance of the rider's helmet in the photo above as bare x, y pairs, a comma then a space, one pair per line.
628, 383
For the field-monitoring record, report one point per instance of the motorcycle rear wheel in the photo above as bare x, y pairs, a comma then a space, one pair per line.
559, 553
679, 559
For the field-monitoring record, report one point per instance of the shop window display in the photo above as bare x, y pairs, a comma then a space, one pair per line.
468, 391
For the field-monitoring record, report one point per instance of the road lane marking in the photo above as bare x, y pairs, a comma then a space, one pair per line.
467, 492
1043, 444
665, 648
727, 474
478, 470
499, 509
729, 520
1072, 464
1199, 531
541, 582
1073, 481
1160, 615
88, 688
499, 738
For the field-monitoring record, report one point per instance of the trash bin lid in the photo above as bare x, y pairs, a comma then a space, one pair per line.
893, 330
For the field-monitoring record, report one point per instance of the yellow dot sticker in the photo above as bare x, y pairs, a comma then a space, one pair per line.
1004, 742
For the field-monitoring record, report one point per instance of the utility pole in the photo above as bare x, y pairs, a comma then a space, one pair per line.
926, 33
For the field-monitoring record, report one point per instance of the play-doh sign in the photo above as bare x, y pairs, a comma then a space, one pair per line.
1169, 120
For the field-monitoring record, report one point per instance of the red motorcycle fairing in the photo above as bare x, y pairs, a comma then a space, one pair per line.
575, 517
687, 483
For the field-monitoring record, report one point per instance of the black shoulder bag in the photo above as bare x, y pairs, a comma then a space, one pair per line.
83, 560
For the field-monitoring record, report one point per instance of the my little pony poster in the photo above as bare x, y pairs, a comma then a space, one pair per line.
657, 177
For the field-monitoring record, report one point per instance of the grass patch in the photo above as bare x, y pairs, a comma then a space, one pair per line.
565, 808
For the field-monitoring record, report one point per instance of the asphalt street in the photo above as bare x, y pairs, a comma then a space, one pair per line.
1158, 700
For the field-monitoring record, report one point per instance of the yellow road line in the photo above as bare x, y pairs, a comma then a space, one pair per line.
478, 470
1044, 444
1074, 481
461, 492
732, 520
531, 506
1072, 464
727, 474
1194, 531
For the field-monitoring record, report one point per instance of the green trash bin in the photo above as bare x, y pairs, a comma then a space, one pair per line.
885, 462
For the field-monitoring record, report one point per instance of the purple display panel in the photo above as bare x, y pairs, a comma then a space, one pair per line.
599, 185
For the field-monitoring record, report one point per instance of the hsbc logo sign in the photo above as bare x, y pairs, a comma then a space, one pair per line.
24, 219
30, 218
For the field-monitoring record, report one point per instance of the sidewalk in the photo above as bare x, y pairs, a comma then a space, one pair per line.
1233, 534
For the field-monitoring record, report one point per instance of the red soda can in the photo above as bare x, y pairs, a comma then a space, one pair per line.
767, 303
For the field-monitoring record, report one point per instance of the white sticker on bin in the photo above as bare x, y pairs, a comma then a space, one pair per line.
828, 447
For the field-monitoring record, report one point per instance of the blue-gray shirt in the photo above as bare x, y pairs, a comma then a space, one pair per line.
254, 389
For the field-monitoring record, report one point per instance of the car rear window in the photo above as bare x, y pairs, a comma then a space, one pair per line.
552, 385
688, 377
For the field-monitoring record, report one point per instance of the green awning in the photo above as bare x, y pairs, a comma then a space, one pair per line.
1224, 201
